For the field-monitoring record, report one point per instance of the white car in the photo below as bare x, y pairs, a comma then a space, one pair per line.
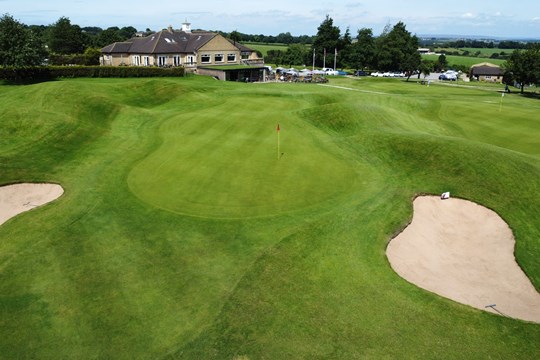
330, 71
377, 74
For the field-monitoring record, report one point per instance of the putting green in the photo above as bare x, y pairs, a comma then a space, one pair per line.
222, 161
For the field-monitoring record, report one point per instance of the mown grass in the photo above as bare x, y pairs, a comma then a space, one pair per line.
182, 235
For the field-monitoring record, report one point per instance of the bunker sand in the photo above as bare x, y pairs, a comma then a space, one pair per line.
464, 252
18, 198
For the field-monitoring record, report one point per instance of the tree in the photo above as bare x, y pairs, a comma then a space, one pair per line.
65, 38
442, 63
19, 46
523, 66
108, 36
285, 38
235, 36
398, 50
344, 49
127, 32
326, 40
296, 54
363, 51
274, 57
91, 56
426, 67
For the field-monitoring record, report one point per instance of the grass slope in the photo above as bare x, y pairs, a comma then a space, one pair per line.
181, 235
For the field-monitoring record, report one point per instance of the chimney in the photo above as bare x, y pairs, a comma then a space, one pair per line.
170, 29
186, 27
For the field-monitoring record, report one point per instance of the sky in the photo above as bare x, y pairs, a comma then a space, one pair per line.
495, 18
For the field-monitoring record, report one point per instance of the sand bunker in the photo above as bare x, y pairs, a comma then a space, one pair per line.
464, 252
18, 198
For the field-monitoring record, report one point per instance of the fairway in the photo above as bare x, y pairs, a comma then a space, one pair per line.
184, 233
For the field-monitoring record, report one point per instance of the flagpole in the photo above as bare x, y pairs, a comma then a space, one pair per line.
313, 65
500, 105
278, 150
335, 57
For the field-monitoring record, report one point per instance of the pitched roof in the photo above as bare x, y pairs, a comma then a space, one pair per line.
485, 64
162, 42
117, 47
241, 47
486, 70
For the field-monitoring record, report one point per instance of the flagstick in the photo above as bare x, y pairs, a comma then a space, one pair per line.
278, 150
500, 105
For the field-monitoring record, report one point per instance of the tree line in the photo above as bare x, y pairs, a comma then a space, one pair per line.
61, 43
480, 44
395, 49
282, 38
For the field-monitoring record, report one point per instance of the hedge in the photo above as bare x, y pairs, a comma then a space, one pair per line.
44, 73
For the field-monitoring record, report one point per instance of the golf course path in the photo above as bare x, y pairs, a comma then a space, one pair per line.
464, 252
18, 198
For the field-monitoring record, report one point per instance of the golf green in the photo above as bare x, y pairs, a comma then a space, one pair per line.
223, 161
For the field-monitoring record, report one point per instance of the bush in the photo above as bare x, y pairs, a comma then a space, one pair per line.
43, 73
25, 74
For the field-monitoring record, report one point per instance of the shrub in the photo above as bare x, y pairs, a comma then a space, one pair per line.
43, 73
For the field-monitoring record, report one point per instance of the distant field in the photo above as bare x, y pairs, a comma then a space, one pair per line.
484, 52
464, 60
184, 233
263, 48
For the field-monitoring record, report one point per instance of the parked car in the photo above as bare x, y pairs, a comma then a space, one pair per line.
330, 71
341, 72
360, 73
448, 77
377, 74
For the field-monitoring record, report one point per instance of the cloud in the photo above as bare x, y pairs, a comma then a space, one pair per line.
535, 19
355, 5
468, 16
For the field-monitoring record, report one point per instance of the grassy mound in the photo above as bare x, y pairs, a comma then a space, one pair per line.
182, 235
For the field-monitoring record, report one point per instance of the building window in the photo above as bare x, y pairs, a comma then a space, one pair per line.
136, 60
205, 58
218, 58
146, 60
190, 60
162, 60
245, 55
231, 57
176, 60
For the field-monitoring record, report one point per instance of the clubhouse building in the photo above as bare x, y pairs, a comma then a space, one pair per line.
202, 52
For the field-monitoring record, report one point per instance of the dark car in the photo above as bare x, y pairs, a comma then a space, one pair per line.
360, 73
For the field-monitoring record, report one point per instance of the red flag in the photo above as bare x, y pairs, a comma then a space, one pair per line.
277, 128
